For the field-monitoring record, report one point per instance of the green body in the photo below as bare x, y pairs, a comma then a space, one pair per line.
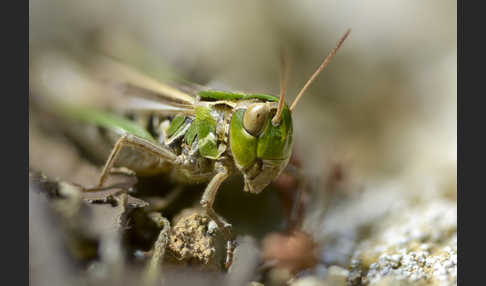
213, 132
194, 133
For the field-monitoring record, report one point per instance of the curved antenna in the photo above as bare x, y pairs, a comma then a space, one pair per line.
326, 61
283, 87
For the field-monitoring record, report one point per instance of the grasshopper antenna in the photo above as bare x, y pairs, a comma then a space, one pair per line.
326, 61
283, 87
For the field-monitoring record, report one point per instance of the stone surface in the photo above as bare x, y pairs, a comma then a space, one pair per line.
392, 233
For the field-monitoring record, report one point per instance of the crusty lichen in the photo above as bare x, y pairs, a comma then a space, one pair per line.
192, 239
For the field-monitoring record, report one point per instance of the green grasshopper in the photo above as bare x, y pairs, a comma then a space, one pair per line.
201, 135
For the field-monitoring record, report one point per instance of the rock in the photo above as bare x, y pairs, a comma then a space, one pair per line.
190, 240
414, 247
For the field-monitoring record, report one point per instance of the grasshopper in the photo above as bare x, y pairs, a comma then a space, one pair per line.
201, 135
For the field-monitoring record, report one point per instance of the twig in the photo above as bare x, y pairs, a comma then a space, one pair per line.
153, 269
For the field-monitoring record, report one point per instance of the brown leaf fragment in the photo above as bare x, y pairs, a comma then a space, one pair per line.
293, 252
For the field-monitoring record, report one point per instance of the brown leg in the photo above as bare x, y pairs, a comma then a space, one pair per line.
153, 268
208, 198
122, 171
207, 202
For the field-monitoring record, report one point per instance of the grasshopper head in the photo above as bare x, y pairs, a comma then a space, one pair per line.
261, 132
261, 149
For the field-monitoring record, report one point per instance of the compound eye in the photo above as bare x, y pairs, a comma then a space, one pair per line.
255, 118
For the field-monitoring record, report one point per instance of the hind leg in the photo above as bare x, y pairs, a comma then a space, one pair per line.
140, 144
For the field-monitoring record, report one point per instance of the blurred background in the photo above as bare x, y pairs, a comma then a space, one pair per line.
389, 97
382, 114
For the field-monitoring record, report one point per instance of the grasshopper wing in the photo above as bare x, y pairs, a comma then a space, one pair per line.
141, 93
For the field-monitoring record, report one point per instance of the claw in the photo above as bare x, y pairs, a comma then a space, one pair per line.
230, 248
228, 226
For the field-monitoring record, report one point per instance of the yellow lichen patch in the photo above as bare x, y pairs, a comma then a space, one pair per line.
190, 241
